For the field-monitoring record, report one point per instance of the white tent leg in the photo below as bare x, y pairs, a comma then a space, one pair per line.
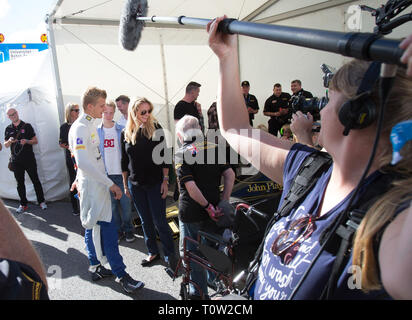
59, 93
166, 90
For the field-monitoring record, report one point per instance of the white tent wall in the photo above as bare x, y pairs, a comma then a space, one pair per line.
265, 63
27, 85
91, 55
88, 52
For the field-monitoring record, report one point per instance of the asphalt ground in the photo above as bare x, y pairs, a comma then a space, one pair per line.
58, 237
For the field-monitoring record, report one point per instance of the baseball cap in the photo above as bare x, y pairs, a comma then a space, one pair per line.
245, 83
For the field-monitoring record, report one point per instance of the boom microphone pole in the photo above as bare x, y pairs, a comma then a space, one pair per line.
365, 46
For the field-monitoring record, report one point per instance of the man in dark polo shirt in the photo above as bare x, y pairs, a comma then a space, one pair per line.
250, 100
20, 137
276, 107
188, 104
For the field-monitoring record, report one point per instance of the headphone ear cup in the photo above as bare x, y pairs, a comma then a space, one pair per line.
357, 113
345, 114
367, 115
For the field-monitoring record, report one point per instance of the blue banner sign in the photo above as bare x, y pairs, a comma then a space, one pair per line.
11, 51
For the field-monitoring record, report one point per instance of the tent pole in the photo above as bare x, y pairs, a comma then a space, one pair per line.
165, 85
52, 46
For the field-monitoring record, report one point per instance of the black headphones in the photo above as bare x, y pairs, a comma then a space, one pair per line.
360, 111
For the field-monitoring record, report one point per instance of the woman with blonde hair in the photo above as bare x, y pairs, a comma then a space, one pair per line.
294, 263
145, 180
71, 114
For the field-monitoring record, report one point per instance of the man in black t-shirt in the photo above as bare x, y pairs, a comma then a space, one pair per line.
276, 107
188, 104
199, 170
250, 100
20, 137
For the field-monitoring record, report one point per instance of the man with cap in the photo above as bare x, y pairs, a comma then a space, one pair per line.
250, 100
276, 107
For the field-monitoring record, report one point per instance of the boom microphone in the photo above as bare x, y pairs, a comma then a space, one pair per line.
365, 46
130, 27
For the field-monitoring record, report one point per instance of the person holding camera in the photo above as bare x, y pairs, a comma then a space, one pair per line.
20, 137
294, 263
277, 108
297, 90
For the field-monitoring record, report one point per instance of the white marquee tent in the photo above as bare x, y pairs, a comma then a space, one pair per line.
26, 84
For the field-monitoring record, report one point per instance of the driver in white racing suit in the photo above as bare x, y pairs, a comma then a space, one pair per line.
94, 186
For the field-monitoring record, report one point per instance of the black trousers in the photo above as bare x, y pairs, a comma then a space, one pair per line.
72, 175
275, 126
31, 168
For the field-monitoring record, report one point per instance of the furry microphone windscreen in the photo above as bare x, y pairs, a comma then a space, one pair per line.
130, 29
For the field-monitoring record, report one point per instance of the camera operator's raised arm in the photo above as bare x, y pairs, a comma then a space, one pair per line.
232, 112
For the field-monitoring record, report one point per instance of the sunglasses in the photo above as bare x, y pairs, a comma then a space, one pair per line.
12, 114
76, 110
145, 111
287, 243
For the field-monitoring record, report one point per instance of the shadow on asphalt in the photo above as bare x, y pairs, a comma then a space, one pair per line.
57, 228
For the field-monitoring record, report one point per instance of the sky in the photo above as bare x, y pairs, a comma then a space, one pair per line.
23, 21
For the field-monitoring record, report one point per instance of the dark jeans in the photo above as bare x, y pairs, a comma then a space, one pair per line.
19, 172
152, 211
72, 176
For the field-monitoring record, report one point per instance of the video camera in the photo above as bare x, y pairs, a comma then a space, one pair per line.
313, 105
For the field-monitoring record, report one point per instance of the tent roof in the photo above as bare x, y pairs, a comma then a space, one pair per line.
109, 11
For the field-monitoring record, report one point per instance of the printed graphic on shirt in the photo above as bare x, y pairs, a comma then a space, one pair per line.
109, 143
289, 245
93, 136
79, 144
193, 150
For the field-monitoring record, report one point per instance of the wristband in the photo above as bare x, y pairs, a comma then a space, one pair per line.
206, 206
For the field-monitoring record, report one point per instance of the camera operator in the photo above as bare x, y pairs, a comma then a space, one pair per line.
302, 100
301, 125
277, 108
